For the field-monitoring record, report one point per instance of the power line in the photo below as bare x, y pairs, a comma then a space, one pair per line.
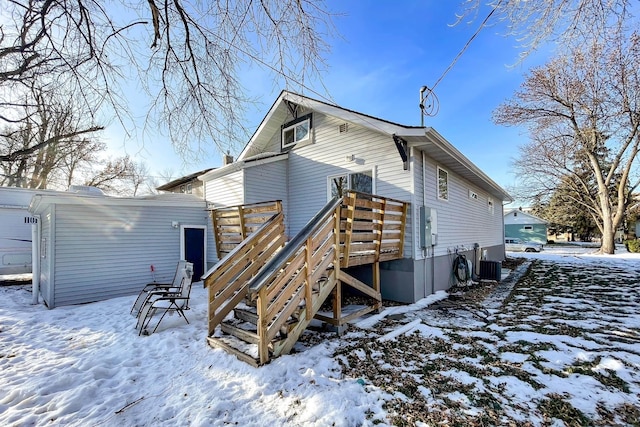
464, 48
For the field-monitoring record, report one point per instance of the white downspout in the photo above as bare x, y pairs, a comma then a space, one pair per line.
35, 259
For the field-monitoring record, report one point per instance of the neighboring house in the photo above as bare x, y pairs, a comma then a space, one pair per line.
525, 226
306, 151
98, 247
16, 228
189, 184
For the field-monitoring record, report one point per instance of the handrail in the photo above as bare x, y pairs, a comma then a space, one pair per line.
275, 263
238, 248
242, 205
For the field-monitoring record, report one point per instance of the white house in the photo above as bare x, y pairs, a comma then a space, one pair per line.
94, 247
305, 151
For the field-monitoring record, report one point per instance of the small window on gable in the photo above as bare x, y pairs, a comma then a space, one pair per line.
443, 184
182, 189
189, 189
296, 131
490, 205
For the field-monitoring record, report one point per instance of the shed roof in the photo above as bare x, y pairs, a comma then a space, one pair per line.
41, 201
182, 180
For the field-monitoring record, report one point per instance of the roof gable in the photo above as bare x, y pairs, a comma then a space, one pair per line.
516, 216
423, 138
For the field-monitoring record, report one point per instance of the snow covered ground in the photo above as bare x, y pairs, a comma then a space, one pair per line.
563, 347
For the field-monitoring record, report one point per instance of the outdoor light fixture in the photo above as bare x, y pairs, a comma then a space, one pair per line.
175, 224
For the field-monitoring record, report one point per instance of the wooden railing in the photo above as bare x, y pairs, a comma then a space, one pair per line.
296, 282
372, 228
288, 283
233, 224
228, 280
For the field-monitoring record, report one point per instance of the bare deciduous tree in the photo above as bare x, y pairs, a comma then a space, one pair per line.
42, 148
583, 114
187, 55
533, 22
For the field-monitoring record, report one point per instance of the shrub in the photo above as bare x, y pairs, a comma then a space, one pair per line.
632, 245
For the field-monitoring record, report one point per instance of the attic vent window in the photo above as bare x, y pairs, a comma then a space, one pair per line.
473, 195
296, 131
344, 127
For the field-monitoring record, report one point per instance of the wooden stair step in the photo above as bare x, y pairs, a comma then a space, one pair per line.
241, 350
245, 335
246, 315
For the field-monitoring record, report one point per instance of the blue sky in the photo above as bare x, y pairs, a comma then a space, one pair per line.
386, 52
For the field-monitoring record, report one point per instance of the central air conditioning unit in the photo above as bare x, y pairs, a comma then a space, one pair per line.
490, 270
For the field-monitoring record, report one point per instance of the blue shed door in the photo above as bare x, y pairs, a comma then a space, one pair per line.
194, 239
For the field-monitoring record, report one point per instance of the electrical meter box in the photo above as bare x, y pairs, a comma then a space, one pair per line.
428, 227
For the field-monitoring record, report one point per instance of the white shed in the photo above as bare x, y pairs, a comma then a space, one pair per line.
97, 247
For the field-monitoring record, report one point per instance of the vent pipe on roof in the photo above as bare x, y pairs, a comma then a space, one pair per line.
227, 159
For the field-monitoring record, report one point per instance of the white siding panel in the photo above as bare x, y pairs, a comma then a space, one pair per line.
267, 182
106, 251
227, 190
310, 165
462, 221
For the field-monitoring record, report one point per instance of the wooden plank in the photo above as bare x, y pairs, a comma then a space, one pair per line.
282, 276
359, 260
361, 286
243, 334
321, 252
356, 314
245, 315
322, 269
306, 315
288, 309
367, 215
390, 256
360, 247
272, 239
263, 344
403, 228
226, 213
288, 290
228, 221
369, 204
217, 316
215, 342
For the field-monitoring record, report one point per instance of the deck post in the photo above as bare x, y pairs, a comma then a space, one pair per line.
263, 344
308, 290
376, 284
337, 292
243, 232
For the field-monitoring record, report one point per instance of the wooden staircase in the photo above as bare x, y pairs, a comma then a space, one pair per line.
264, 292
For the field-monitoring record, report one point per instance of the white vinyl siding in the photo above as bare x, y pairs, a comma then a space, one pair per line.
103, 252
330, 155
267, 182
227, 190
461, 221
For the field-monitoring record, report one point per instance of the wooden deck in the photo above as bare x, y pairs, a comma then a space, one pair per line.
275, 288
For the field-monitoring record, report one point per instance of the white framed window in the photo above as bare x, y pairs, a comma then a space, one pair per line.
490, 205
443, 184
360, 181
189, 188
473, 195
296, 131
183, 189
